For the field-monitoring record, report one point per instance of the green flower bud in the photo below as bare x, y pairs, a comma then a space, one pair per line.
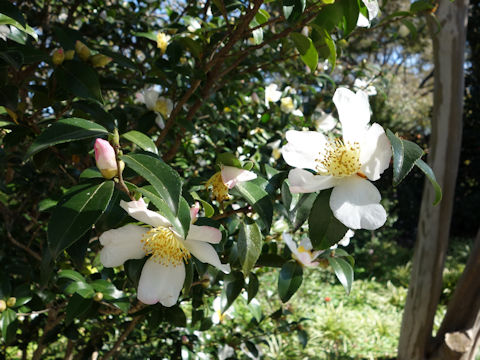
11, 301
100, 60
82, 50
98, 296
58, 57
3, 306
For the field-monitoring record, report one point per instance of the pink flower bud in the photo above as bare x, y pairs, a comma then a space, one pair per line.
105, 158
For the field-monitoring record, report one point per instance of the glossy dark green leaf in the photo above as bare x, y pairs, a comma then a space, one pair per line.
301, 41
250, 243
7, 8
72, 275
181, 221
73, 217
142, 140
232, 287
109, 291
343, 271
77, 306
421, 5
405, 153
260, 201
329, 16
427, 170
8, 325
207, 208
350, 15
175, 316
79, 79
289, 280
66, 130
81, 288
323, 227
301, 211
293, 9
228, 159
252, 287
162, 177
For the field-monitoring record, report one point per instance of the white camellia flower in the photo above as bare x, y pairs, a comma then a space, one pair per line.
287, 106
226, 179
162, 41
373, 9
163, 274
304, 253
272, 94
345, 164
161, 105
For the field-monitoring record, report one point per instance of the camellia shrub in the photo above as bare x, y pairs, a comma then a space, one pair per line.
156, 155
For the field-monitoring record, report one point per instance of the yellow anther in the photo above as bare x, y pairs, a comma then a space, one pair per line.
219, 189
340, 159
161, 106
165, 247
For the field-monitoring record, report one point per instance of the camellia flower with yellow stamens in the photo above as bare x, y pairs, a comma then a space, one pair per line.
272, 94
226, 179
287, 106
218, 316
163, 274
161, 105
304, 253
162, 41
345, 164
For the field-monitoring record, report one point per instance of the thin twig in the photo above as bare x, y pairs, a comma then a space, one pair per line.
122, 337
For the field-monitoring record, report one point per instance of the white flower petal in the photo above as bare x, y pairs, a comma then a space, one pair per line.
303, 148
207, 254
287, 238
375, 152
271, 94
323, 121
306, 259
362, 21
159, 121
231, 175
346, 238
138, 210
150, 96
372, 7
353, 112
297, 112
303, 181
204, 233
356, 203
122, 244
160, 283
306, 243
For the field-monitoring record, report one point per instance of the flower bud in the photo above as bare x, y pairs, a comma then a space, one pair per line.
100, 60
3, 306
11, 301
82, 50
69, 54
98, 296
106, 159
58, 56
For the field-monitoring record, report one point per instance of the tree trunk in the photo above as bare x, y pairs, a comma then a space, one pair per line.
434, 223
459, 332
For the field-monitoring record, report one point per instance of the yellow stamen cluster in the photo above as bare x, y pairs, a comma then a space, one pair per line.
340, 160
219, 189
161, 106
165, 247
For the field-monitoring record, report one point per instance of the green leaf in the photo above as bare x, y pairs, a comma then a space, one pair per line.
343, 271
72, 275
427, 170
79, 79
148, 35
233, 285
207, 208
249, 245
142, 140
17, 33
305, 47
405, 153
8, 325
293, 9
350, 15
330, 16
301, 211
77, 306
252, 287
66, 130
181, 223
163, 178
228, 159
109, 291
260, 201
302, 42
289, 280
74, 216
81, 288
323, 227
175, 316
421, 5
10, 10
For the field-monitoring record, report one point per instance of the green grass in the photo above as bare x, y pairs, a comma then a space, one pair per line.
362, 325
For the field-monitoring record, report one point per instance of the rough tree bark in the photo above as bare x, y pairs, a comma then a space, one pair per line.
445, 144
458, 336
